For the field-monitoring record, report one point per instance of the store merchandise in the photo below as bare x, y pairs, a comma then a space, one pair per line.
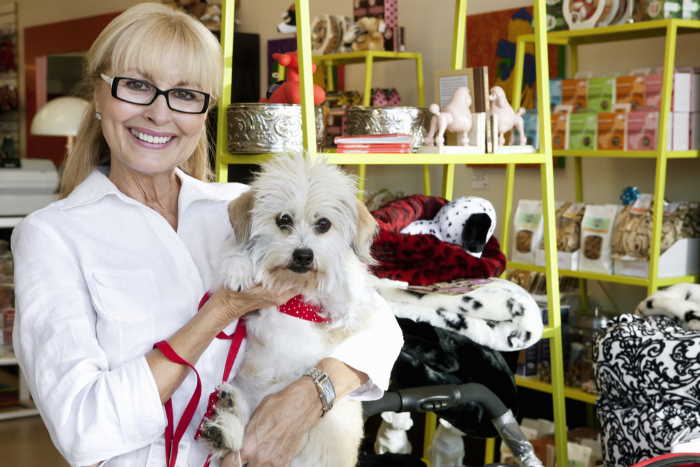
601, 94
289, 92
555, 16
574, 93
583, 15
568, 227
385, 97
555, 91
27, 188
7, 311
681, 301
531, 126
560, 129
612, 130
630, 90
642, 130
331, 34
526, 230
389, 143
507, 118
390, 120
378, 22
583, 129
455, 117
596, 238
646, 10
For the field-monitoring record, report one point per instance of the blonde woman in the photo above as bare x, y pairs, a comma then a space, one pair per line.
122, 260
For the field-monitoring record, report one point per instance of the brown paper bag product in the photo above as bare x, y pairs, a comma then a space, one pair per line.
612, 128
526, 223
596, 238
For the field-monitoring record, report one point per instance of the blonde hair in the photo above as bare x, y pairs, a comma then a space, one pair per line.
139, 39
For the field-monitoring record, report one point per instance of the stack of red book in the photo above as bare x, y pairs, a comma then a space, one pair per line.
377, 144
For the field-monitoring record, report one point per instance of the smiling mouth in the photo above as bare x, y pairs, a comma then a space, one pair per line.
150, 139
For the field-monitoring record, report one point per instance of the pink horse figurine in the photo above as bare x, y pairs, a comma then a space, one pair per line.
507, 119
455, 118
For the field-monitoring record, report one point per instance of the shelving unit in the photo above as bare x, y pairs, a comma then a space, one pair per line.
543, 158
669, 29
25, 407
368, 58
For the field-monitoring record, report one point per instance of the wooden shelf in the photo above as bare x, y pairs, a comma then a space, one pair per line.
569, 393
627, 280
628, 154
401, 159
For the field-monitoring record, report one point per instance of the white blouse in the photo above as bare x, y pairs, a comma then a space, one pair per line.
99, 279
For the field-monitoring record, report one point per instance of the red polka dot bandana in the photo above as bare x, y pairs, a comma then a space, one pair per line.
298, 308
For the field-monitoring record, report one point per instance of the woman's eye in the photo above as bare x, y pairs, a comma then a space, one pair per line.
284, 221
136, 85
323, 225
184, 94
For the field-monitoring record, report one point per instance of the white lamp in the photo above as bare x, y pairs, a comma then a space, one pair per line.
60, 117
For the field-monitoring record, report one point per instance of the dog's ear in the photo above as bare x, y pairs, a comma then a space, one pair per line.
239, 214
366, 230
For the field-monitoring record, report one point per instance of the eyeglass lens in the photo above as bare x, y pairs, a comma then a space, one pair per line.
142, 92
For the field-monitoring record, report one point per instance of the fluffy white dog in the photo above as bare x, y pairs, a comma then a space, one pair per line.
300, 226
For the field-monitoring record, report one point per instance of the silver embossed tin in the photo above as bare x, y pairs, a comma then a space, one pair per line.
258, 127
414, 121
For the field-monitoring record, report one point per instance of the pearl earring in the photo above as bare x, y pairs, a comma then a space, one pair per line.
98, 116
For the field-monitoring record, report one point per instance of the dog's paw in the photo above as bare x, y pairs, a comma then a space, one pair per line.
237, 272
225, 428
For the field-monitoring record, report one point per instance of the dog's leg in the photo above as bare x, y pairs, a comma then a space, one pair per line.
224, 430
521, 131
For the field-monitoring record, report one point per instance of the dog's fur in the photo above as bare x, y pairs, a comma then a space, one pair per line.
280, 348
507, 119
455, 118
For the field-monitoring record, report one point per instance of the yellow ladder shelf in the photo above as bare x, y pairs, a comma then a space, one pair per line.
543, 158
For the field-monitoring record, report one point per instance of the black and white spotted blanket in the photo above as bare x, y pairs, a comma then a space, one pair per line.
495, 313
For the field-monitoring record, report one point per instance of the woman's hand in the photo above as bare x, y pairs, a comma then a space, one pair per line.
231, 305
279, 426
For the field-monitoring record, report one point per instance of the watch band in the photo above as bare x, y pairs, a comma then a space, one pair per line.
324, 385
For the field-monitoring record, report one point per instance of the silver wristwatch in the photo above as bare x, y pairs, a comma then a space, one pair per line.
324, 385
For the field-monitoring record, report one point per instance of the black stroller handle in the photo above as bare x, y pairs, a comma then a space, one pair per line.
448, 396
436, 398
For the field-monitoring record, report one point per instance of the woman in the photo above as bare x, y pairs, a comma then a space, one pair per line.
122, 260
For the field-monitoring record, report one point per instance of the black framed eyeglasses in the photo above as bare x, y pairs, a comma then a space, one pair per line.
140, 92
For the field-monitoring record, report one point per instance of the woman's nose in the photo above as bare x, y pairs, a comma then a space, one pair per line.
158, 112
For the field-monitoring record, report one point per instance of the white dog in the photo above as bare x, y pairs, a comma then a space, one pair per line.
455, 118
507, 119
391, 436
301, 226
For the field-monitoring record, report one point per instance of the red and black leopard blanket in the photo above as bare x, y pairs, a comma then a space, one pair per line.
424, 259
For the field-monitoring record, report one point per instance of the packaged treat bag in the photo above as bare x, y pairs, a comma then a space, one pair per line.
531, 126
612, 127
601, 94
596, 238
573, 92
630, 90
583, 130
632, 232
642, 129
568, 224
555, 91
526, 230
560, 130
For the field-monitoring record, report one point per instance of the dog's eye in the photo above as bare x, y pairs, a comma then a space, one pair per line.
284, 221
323, 225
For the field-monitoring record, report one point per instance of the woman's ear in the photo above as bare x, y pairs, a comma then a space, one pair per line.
364, 237
239, 214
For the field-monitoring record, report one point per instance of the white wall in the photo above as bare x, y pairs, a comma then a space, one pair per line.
429, 31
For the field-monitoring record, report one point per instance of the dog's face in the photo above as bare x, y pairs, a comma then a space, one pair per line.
299, 222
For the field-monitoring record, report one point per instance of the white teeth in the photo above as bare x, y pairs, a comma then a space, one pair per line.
150, 138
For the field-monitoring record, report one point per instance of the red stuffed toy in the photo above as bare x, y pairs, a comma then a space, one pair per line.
289, 92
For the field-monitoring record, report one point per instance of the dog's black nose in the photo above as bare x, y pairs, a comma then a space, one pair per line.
303, 257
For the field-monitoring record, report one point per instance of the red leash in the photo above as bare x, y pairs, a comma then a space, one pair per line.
174, 435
